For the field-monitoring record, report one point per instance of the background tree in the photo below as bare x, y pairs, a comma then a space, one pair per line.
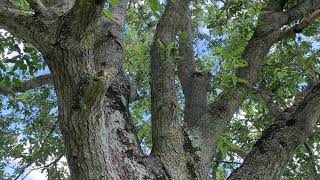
233, 87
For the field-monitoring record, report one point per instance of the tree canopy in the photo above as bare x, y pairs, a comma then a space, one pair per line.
221, 30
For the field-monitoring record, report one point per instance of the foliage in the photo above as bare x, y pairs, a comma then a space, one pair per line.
29, 135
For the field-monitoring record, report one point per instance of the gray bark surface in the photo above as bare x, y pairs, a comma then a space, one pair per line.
84, 52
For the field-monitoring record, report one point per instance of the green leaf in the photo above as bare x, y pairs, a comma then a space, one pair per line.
170, 46
184, 35
114, 2
107, 14
155, 5
160, 44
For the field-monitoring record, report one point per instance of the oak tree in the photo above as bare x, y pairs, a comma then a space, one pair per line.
231, 88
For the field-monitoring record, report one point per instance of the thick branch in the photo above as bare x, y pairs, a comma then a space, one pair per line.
167, 133
297, 28
194, 84
278, 19
278, 143
37, 6
195, 89
109, 38
27, 85
118, 13
16, 21
82, 14
265, 35
36, 30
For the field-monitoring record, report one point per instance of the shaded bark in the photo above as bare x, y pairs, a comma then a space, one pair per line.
167, 133
195, 89
84, 52
268, 31
93, 94
278, 143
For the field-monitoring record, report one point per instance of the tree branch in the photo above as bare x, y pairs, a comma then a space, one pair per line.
278, 143
36, 30
299, 27
82, 14
27, 85
278, 19
167, 132
312, 160
23, 169
266, 34
16, 21
37, 6
118, 13
195, 89
227, 162
194, 84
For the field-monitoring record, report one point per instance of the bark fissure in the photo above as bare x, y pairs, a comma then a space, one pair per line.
84, 52
268, 31
278, 143
171, 143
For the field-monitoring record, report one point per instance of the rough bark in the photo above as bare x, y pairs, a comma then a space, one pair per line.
210, 127
84, 52
195, 87
168, 136
93, 94
278, 143
268, 31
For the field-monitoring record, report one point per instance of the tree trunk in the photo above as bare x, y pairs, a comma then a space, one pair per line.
98, 133
84, 52
93, 96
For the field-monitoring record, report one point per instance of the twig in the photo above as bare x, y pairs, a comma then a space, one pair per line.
52, 163
226, 162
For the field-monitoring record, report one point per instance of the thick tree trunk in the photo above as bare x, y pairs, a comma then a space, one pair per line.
93, 96
84, 52
98, 132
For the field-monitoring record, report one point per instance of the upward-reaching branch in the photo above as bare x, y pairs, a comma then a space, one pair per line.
82, 14
194, 84
167, 133
278, 143
268, 32
37, 6
118, 13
